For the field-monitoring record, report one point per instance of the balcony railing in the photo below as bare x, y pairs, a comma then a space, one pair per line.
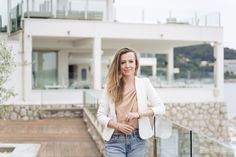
15, 16
164, 16
97, 10
3, 28
174, 140
59, 9
49, 81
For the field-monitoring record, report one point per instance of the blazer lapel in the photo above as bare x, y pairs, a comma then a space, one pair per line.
113, 111
138, 93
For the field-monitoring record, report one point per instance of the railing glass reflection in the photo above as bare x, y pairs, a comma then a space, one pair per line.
174, 140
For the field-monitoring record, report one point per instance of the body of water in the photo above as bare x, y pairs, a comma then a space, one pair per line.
230, 98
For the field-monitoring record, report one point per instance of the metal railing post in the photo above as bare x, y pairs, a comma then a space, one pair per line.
154, 140
191, 144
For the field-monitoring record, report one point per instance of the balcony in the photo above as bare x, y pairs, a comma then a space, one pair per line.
56, 9
101, 11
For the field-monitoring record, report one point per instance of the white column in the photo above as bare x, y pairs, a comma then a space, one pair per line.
97, 63
219, 70
63, 68
8, 16
21, 52
170, 65
154, 70
27, 67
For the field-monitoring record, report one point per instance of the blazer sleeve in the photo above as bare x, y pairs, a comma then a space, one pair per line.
103, 110
154, 99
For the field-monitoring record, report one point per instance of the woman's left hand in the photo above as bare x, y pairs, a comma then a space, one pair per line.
131, 115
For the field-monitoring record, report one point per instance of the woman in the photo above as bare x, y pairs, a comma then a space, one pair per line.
124, 109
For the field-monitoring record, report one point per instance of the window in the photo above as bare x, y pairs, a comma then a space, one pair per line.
44, 69
73, 74
83, 74
146, 70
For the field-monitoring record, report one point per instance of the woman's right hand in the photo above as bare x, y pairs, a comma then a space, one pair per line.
125, 128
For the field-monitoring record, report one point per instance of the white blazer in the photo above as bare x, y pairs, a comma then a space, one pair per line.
146, 96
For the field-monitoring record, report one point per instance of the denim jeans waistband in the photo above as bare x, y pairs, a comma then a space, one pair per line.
135, 132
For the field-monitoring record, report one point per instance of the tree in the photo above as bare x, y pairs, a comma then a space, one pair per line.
7, 65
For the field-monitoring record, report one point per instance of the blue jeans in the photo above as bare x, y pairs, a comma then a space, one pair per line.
130, 145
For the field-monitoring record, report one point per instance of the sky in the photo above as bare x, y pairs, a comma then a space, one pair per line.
158, 10
226, 8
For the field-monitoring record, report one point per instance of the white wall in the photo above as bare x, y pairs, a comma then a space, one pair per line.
69, 28
39, 97
178, 95
63, 68
15, 80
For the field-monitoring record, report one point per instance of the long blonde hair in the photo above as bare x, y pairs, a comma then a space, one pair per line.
114, 81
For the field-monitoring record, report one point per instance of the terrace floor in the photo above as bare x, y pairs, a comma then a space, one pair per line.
58, 137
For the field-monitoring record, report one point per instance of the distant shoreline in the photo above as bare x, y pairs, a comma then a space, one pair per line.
230, 80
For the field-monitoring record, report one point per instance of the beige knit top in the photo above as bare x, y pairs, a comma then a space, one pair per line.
129, 104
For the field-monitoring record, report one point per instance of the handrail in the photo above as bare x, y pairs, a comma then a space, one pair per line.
200, 140
193, 131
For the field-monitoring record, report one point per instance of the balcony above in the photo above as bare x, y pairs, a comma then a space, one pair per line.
102, 10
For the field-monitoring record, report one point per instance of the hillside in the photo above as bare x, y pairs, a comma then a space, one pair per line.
190, 60
229, 53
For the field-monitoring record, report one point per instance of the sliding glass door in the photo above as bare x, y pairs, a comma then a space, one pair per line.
44, 69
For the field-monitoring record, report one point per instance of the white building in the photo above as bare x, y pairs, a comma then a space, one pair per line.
64, 46
230, 65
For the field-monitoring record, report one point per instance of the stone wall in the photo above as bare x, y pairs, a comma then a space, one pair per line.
232, 127
209, 125
209, 119
33, 112
94, 128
